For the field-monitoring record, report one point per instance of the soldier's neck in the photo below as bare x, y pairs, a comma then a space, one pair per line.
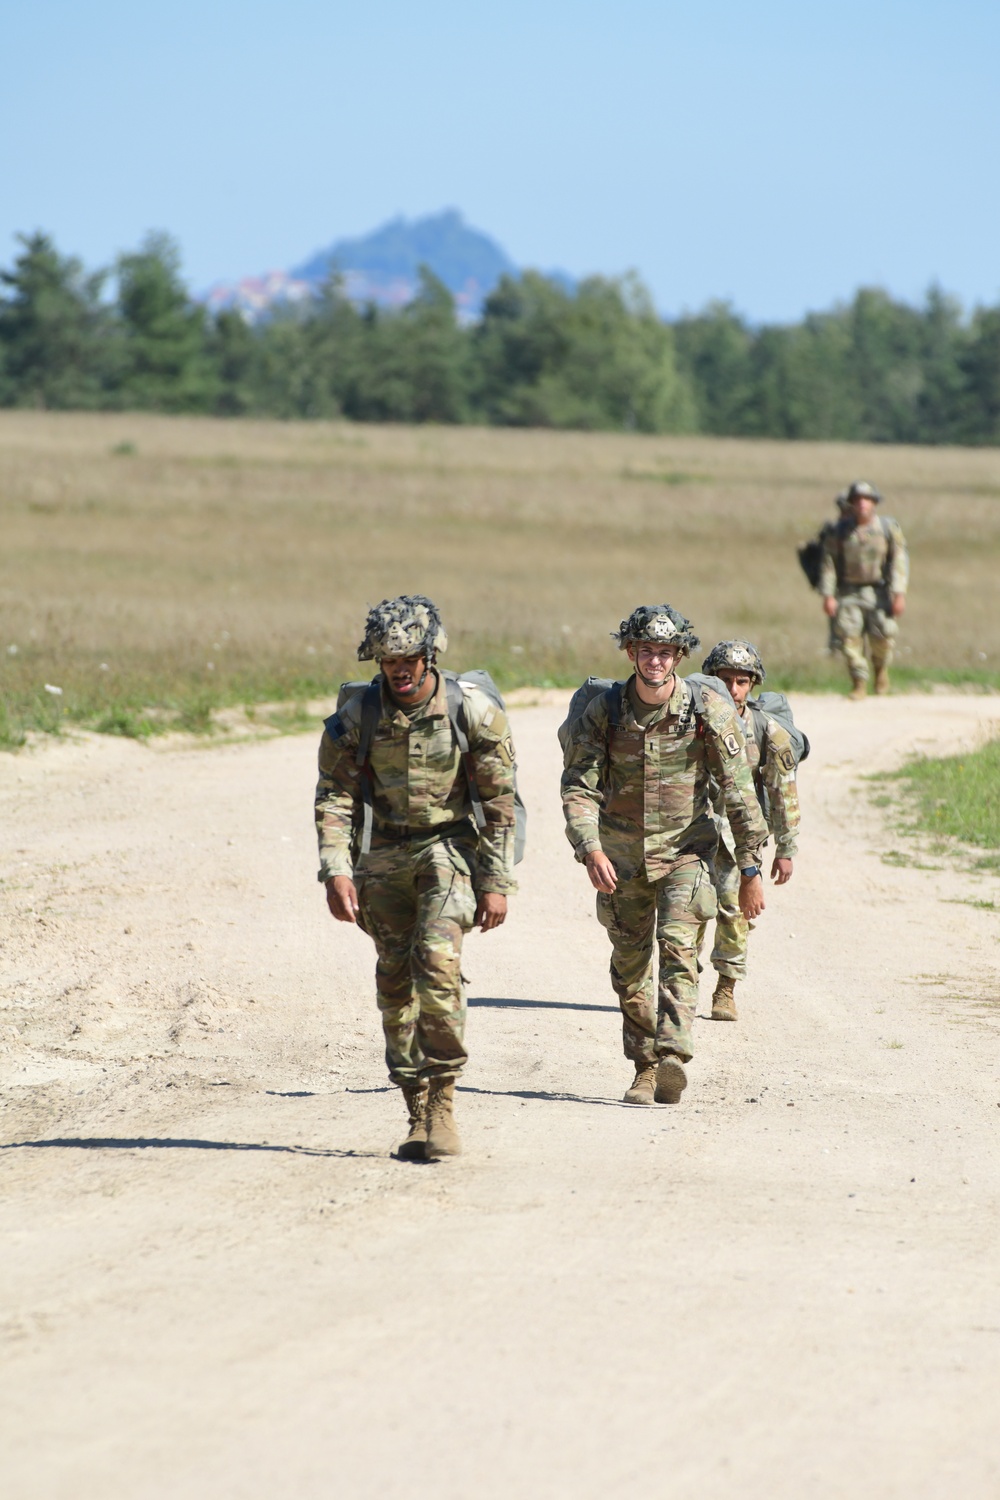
654, 695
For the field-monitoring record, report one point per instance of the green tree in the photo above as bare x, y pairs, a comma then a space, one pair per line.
714, 354
408, 366
981, 368
54, 332
166, 347
599, 359
943, 405
234, 352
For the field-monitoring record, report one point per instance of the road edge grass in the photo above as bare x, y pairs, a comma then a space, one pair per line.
949, 804
277, 701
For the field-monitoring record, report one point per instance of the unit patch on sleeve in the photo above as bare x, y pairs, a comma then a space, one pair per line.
731, 743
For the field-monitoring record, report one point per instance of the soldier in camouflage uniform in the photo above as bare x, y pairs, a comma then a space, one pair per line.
429, 877
863, 580
772, 764
636, 793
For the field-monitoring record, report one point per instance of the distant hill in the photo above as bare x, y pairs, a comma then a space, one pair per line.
389, 259
383, 267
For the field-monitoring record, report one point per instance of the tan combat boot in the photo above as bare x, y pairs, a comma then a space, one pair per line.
641, 1091
859, 690
881, 680
442, 1137
671, 1080
724, 1001
412, 1149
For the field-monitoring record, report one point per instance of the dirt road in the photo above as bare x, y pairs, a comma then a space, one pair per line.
216, 1281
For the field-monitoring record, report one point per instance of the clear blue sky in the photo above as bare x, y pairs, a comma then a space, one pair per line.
777, 153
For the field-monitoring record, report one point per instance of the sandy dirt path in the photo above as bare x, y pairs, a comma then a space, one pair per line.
216, 1281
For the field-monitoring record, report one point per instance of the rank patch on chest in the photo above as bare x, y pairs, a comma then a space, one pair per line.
731, 743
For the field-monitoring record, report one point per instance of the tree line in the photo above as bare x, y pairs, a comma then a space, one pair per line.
597, 357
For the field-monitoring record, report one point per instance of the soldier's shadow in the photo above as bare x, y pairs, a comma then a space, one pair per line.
550, 1096
168, 1143
505, 1002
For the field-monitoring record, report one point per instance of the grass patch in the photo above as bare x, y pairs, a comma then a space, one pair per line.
957, 796
900, 861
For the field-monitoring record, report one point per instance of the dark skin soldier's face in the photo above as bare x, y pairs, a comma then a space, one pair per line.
408, 678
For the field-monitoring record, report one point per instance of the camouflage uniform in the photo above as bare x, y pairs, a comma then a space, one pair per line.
863, 566
772, 765
418, 886
641, 793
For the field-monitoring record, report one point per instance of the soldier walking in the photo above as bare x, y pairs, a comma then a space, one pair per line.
427, 876
772, 756
637, 796
863, 579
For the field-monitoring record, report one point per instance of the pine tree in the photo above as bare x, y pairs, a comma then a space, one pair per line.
54, 333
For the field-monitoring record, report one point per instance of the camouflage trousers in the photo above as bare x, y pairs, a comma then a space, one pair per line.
417, 901
732, 930
865, 612
672, 912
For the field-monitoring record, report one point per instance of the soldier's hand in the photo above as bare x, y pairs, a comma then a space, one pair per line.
830, 606
342, 898
898, 605
491, 910
751, 897
603, 876
781, 870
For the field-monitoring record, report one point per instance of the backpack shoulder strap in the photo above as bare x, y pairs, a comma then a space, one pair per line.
613, 702
694, 707
371, 708
456, 713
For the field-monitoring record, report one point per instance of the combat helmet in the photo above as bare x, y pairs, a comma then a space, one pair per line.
658, 624
407, 626
861, 489
737, 656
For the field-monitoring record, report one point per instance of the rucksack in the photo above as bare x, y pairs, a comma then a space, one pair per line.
776, 706
810, 555
371, 707
594, 686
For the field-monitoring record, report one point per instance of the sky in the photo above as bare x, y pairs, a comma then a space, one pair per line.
776, 154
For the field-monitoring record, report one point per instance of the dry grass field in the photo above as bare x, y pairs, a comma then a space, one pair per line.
156, 568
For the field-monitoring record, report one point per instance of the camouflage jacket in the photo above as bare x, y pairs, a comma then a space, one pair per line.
418, 782
772, 765
644, 796
855, 556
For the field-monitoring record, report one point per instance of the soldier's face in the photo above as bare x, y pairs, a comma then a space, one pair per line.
403, 674
862, 509
656, 663
738, 683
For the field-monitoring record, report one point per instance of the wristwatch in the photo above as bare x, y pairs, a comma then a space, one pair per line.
750, 872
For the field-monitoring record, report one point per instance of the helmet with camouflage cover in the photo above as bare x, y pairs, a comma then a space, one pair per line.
842, 502
407, 626
862, 490
658, 624
737, 656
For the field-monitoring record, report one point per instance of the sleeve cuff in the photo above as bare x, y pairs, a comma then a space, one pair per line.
588, 846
